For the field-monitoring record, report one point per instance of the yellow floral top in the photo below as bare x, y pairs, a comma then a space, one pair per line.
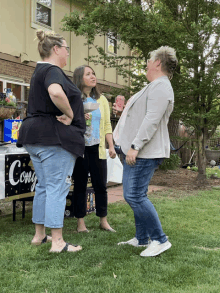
105, 124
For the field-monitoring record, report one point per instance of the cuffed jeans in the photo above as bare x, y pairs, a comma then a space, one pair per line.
53, 167
136, 179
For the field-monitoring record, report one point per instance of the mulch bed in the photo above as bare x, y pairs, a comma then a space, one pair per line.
181, 178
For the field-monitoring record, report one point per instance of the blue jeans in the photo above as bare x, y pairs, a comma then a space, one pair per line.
53, 167
136, 179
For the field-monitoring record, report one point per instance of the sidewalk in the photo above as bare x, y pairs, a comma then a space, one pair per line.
115, 193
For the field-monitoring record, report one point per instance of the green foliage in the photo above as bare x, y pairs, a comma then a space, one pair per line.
5, 103
214, 148
215, 171
194, 168
172, 163
216, 133
191, 27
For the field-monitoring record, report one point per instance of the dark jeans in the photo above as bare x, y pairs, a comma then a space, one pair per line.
98, 171
136, 179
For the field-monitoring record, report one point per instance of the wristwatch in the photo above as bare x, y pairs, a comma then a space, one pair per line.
134, 147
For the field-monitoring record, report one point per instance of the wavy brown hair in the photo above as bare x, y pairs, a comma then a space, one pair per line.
78, 81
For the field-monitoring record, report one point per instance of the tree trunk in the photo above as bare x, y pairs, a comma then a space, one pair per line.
201, 143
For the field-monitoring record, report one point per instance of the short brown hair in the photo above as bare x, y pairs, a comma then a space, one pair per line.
47, 40
167, 56
78, 81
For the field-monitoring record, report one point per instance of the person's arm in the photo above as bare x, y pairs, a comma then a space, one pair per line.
61, 101
109, 140
157, 103
116, 112
108, 129
159, 98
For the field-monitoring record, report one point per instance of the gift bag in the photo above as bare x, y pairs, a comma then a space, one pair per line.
114, 169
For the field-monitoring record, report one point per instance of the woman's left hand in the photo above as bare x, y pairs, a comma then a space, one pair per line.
112, 152
131, 157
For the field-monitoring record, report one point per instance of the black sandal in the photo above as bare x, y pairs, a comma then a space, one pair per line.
45, 240
67, 245
66, 248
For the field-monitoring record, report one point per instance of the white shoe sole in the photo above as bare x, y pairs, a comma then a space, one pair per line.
168, 246
125, 243
132, 244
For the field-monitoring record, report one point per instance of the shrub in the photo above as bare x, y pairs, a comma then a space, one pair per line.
213, 172
172, 163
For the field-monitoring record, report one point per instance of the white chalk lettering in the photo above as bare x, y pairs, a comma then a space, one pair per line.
25, 177
11, 172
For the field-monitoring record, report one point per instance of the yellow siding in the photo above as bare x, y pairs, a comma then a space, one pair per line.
61, 8
17, 34
99, 69
12, 26
110, 75
123, 51
78, 51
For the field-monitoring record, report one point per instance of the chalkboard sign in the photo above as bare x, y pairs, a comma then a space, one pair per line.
19, 174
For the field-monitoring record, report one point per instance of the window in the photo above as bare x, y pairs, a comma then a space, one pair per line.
111, 43
42, 13
18, 87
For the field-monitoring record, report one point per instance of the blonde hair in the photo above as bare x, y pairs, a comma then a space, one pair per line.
167, 56
47, 40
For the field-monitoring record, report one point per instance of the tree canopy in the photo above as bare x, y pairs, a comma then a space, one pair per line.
192, 27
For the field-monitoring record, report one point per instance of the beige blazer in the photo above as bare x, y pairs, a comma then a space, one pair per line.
147, 118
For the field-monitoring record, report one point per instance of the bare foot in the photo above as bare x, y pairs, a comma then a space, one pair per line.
67, 247
105, 225
81, 226
37, 240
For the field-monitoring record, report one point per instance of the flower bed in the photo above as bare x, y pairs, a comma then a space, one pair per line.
7, 105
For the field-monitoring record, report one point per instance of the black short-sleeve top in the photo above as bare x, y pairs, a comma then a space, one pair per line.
41, 127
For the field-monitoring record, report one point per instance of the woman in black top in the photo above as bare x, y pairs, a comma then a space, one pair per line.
53, 134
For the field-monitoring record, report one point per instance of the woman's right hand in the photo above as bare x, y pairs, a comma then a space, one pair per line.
64, 119
87, 116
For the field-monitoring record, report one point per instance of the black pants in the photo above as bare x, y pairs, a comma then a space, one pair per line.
98, 171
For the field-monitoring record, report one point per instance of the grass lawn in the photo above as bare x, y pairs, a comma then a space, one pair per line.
192, 265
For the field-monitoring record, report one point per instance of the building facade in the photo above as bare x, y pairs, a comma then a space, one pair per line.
19, 20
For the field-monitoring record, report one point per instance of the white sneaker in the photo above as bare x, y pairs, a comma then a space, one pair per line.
133, 242
155, 248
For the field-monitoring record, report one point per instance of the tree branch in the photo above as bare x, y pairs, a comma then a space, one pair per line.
213, 47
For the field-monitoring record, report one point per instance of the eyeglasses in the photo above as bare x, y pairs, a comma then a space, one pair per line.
67, 48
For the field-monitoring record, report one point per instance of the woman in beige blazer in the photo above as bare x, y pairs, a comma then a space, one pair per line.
142, 133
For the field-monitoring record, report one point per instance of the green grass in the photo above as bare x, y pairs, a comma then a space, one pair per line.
192, 264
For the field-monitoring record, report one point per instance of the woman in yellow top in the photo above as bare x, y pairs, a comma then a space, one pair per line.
98, 131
